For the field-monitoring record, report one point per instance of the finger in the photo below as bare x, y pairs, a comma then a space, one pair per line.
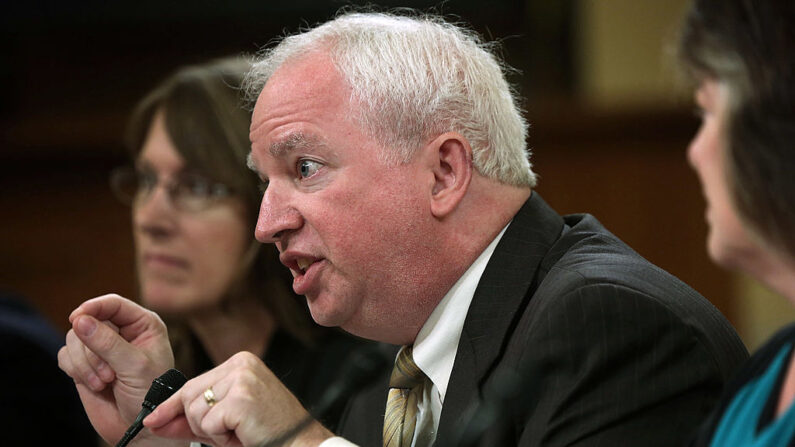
103, 370
215, 423
104, 342
195, 409
167, 411
109, 302
117, 310
197, 402
65, 363
176, 428
225, 437
189, 401
80, 368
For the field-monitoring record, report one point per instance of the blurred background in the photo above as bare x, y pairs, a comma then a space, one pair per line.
610, 126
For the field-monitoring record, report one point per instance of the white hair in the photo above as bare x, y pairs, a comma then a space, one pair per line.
415, 78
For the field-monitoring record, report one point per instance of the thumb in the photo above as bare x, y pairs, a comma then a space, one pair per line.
168, 419
167, 411
103, 341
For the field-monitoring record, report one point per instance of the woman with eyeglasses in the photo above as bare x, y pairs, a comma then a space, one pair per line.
194, 207
741, 53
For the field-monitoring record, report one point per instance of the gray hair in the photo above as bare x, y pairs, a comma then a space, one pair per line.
415, 78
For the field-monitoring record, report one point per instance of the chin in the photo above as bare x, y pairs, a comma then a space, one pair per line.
164, 299
328, 316
728, 255
324, 319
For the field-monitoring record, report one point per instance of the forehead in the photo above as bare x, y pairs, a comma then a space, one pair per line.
158, 146
299, 97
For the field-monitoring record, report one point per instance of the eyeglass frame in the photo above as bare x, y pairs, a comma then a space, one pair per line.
177, 189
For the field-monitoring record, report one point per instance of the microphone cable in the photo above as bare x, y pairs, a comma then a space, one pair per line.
361, 368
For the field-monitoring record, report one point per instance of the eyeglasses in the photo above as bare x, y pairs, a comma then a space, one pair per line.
189, 191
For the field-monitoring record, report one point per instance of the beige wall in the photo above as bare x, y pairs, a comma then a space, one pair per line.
760, 312
624, 52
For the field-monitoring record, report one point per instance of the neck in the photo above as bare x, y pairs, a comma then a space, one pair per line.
244, 326
461, 237
776, 272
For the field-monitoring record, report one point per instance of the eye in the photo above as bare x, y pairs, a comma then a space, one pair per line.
146, 179
194, 185
308, 168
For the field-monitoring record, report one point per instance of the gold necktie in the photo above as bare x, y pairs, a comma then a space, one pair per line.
405, 384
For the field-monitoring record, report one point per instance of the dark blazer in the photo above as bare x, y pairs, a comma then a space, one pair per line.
591, 344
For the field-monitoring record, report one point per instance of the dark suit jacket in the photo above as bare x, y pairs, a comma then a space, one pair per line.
608, 349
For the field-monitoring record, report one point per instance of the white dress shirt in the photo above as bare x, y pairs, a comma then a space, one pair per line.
435, 349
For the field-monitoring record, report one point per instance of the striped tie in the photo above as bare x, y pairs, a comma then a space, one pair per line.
405, 385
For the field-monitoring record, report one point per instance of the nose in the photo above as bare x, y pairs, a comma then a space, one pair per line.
277, 218
694, 148
154, 214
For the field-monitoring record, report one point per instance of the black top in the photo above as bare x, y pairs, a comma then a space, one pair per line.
307, 371
39, 404
756, 366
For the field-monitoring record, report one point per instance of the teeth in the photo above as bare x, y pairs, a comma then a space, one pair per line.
304, 263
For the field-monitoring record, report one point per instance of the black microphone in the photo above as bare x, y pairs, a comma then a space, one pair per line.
162, 388
361, 368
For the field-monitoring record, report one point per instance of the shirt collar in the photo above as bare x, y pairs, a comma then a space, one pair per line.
437, 342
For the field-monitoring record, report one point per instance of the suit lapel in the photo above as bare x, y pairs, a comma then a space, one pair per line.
502, 292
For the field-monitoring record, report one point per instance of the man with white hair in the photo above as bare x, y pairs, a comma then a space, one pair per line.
399, 194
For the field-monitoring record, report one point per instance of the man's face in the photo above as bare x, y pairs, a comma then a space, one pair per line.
353, 230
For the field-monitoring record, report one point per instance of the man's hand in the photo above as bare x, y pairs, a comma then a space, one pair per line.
251, 407
113, 352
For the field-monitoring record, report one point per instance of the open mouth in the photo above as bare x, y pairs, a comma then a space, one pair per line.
306, 272
303, 264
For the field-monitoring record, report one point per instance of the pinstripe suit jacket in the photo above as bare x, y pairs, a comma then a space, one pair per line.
607, 348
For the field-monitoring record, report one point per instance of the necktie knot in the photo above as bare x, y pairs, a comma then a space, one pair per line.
405, 384
406, 374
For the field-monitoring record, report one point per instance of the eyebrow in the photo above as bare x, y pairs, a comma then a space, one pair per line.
293, 142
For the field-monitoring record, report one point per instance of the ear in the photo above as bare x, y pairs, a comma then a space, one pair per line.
451, 159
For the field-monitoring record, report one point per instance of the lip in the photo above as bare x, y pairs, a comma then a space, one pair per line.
304, 283
162, 260
303, 279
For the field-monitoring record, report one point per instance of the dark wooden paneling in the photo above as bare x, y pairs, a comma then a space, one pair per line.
630, 171
64, 238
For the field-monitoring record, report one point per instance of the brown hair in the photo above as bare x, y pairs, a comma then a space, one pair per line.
203, 116
749, 46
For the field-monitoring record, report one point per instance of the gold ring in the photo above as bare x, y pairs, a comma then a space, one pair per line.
209, 396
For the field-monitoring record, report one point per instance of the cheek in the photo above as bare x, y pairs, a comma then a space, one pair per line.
384, 231
216, 253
